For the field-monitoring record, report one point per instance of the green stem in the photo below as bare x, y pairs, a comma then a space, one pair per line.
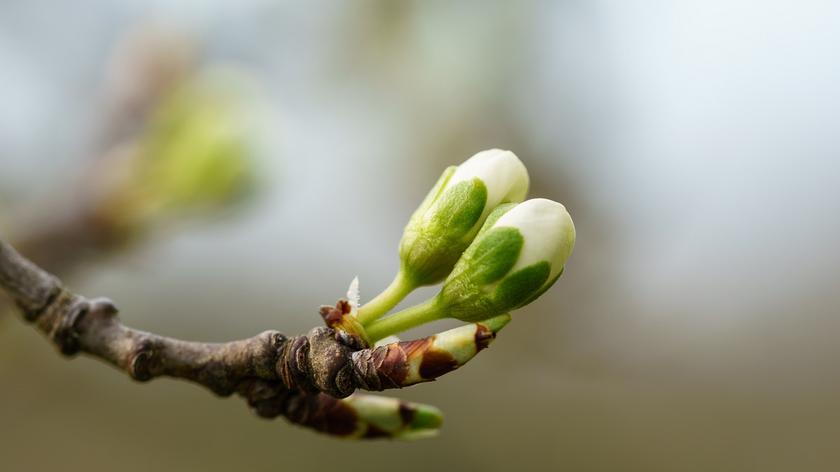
404, 320
389, 298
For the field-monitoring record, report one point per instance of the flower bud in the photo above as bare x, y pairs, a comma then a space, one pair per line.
385, 417
518, 254
423, 360
451, 215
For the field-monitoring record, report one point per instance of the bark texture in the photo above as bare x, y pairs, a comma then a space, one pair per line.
300, 377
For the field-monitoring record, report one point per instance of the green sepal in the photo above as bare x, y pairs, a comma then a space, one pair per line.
493, 217
459, 208
492, 256
468, 293
545, 287
433, 195
519, 286
434, 240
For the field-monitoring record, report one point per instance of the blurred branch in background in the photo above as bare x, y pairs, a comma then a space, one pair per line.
172, 143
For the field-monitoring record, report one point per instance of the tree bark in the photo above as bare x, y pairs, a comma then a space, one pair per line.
300, 377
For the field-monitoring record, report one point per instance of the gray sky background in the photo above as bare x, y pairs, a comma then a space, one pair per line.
694, 143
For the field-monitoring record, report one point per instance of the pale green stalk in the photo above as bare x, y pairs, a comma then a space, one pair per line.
400, 287
404, 320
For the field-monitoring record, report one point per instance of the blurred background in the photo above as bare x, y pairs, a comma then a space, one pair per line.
695, 145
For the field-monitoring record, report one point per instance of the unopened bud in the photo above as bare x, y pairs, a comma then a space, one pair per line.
519, 253
451, 215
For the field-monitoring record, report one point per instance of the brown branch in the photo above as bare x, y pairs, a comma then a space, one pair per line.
299, 377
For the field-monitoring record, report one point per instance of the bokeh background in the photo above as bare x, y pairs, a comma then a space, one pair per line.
695, 144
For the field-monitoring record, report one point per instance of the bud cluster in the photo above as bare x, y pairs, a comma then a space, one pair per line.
493, 251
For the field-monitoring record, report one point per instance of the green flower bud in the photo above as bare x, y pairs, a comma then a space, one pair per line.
447, 220
423, 360
385, 417
450, 216
519, 254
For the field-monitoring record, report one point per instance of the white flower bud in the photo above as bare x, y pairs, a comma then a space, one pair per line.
519, 253
547, 230
447, 221
502, 173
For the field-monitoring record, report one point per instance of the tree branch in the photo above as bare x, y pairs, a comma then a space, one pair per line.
301, 378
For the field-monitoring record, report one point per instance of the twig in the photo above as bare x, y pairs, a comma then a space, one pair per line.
301, 377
